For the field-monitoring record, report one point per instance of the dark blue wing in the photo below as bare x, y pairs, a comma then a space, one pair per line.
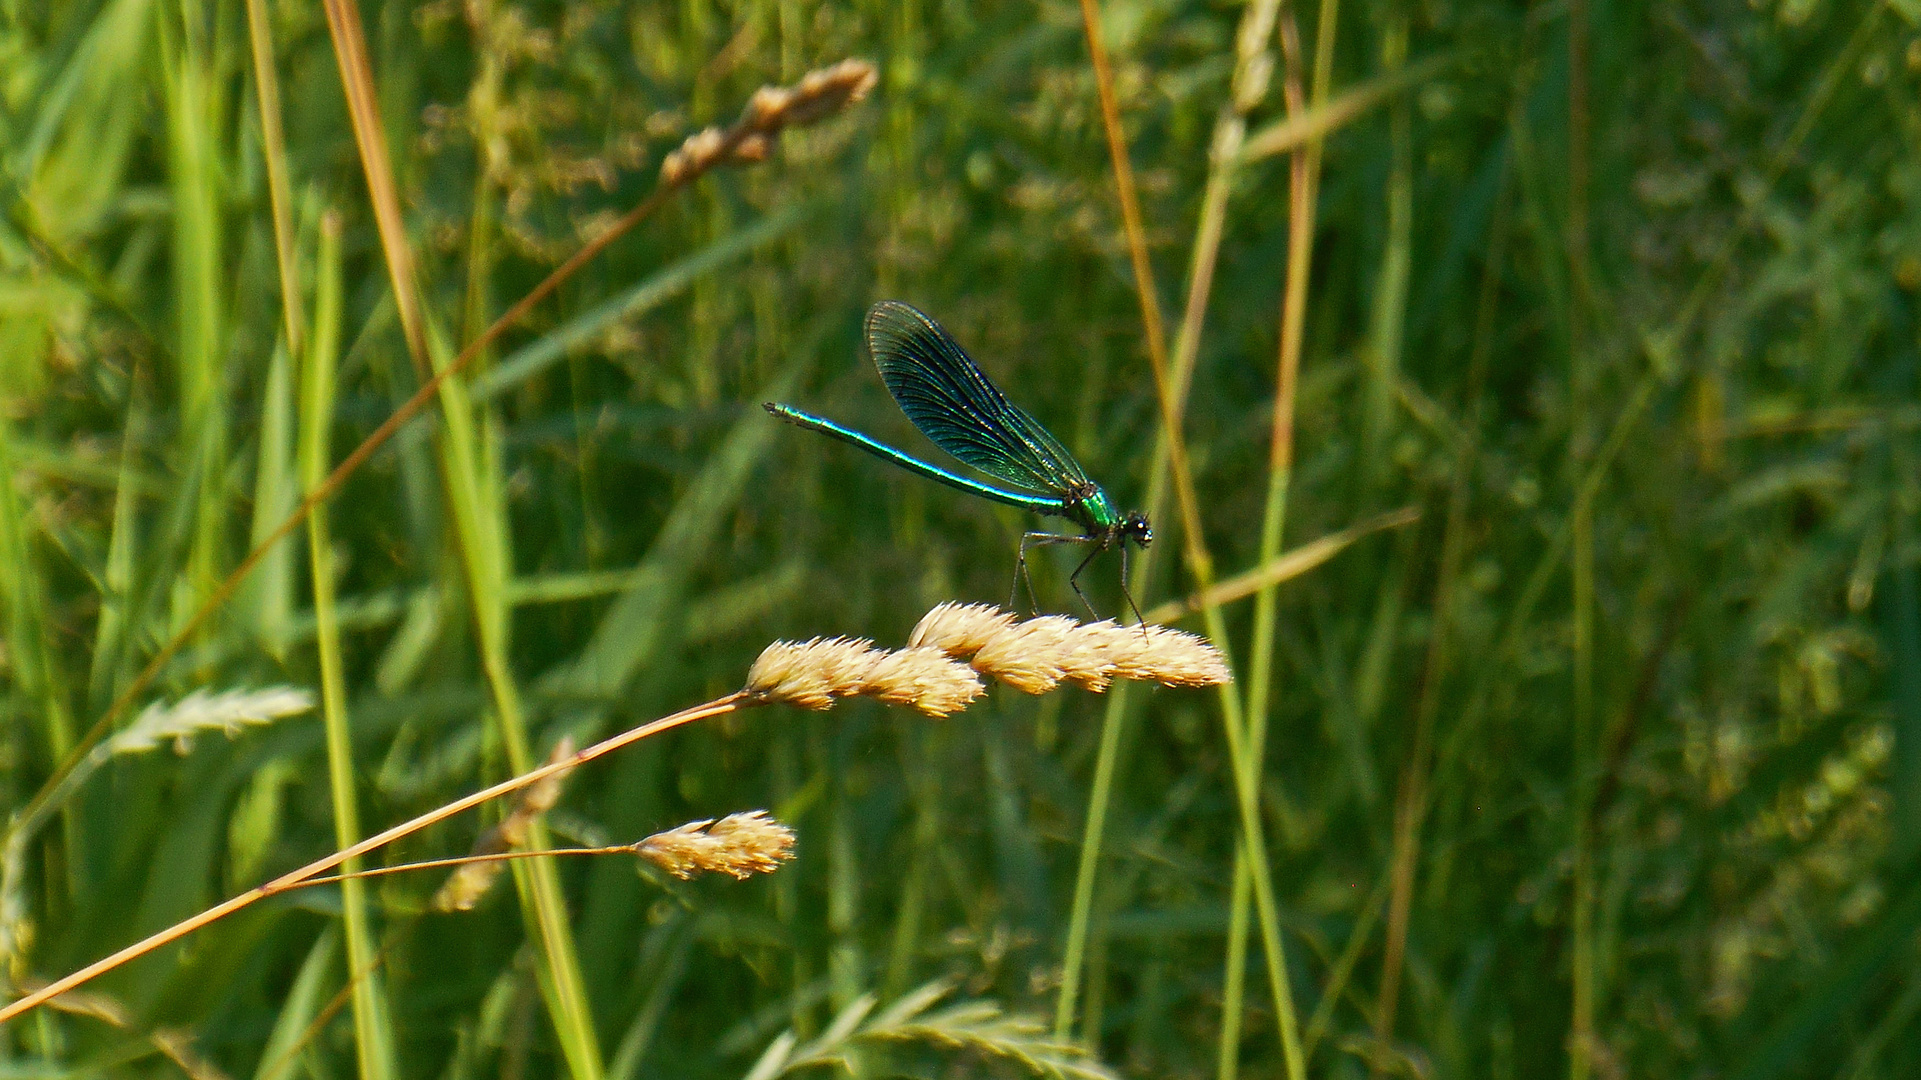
953, 403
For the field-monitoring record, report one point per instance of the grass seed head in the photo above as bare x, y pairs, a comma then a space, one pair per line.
813, 673
741, 845
1028, 657
960, 630
1088, 661
818, 95
924, 678
228, 711
468, 885
1169, 657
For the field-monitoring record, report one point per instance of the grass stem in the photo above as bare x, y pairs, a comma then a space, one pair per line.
717, 707
372, 1039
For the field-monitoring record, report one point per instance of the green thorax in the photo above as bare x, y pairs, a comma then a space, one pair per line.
1092, 510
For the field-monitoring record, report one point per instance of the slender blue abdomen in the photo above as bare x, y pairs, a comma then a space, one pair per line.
1039, 504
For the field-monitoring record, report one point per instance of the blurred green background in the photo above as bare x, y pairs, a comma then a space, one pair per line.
1621, 296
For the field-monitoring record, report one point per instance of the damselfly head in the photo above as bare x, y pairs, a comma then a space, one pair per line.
1135, 529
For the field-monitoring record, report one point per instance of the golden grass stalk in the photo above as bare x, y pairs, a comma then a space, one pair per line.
812, 675
296, 878
739, 845
1170, 390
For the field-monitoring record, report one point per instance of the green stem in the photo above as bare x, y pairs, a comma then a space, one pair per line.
372, 1040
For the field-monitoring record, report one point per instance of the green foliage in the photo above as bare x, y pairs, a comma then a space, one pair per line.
1637, 701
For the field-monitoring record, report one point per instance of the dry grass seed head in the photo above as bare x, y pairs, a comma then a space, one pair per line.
960, 630
740, 845
813, 673
1028, 657
1169, 657
1088, 662
923, 678
818, 95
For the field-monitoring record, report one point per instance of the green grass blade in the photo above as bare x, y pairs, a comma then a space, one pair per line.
373, 1026
270, 590
291, 1035
199, 283
474, 500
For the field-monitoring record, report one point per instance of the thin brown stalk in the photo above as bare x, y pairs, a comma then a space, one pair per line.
1172, 406
489, 858
35, 811
1194, 547
1303, 182
542, 907
363, 109
717, 707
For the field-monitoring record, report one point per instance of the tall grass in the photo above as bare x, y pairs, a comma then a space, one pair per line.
1522, 396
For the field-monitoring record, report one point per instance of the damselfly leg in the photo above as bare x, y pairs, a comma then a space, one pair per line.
1074, 579
1037, 539
1129, 593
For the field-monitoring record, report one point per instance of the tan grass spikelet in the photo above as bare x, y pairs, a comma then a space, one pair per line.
741, 845
814, 674
1088, 660
925, 679
1037, 655
960, 630
818, 95
811, 674
1029, 655
1169, 657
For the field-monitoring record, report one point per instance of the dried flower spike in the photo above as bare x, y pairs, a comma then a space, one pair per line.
813, 673
739, 844
960, 630
818, 95
1037, 655
923, 678
468, 885
1028, 656
1168, 657
1088, 661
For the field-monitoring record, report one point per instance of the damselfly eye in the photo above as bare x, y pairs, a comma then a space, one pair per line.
1137, 529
